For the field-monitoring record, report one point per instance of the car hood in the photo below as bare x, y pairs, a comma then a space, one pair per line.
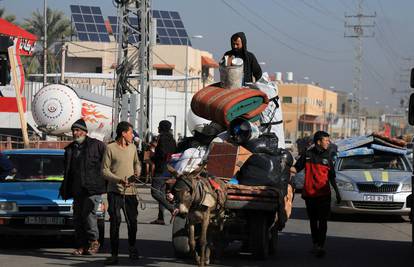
363, 176
32, 193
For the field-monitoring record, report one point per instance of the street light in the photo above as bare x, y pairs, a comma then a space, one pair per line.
186, 81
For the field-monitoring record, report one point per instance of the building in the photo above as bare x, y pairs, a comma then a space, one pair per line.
94, 47
306, 108
168, 60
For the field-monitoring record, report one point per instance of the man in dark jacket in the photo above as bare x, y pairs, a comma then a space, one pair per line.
83, 181
319, 175
251, 67
166, 146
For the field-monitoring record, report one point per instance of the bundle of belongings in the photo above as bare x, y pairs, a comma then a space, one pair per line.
253, 119
366, 144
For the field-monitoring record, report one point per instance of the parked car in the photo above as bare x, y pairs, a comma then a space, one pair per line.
29, 199
375, 184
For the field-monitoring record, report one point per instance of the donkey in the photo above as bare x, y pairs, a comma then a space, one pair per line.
201, 199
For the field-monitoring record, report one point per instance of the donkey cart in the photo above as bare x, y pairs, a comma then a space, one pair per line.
251, 214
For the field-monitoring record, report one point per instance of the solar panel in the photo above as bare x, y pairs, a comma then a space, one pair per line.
89, 23
170, 28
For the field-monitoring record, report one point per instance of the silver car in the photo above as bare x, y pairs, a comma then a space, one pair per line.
375, 184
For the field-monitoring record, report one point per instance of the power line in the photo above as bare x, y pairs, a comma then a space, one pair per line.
303, 17
323, 12
285, 33
276, 39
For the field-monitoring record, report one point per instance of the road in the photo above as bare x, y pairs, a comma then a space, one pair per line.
352, 241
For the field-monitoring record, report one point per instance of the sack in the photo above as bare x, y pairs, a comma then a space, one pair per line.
271, 117
267, 169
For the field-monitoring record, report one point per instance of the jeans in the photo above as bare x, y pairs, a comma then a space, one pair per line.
318, 210
158, 188
85, 219
129, 205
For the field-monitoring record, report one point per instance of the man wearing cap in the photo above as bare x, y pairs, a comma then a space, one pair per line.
166, 146
83, 181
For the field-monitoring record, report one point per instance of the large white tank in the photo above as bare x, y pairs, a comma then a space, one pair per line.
56, 107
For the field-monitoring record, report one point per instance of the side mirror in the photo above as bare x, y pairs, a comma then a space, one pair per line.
412, 78
411, 106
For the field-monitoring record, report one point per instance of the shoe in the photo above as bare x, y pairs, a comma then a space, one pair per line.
320, 252
314, 249
158, 221
78, 252
112, 260
93, 248
133, 253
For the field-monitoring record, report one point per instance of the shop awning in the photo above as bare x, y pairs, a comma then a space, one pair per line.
163, 66
27, 39
208, 62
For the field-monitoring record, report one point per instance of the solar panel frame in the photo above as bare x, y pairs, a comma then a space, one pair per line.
89, 23
170, 28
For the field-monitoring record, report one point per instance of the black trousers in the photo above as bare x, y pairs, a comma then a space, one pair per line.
158, 188
129, 205
318, 209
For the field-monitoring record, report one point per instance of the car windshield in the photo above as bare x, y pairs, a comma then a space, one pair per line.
36, 167
385, 161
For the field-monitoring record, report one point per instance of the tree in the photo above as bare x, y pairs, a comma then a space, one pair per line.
9, 18
58, 27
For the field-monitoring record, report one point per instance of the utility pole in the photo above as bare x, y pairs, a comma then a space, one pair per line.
44, 42
134, 66
355, 27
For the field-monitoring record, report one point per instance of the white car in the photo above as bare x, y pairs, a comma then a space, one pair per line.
375, 184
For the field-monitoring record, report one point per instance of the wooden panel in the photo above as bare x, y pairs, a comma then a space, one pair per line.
225, 159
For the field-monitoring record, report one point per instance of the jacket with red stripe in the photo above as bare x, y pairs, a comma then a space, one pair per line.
319, 172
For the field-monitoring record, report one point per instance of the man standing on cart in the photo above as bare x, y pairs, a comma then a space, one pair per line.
319, 173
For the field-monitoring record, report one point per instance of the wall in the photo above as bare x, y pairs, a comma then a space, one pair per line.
313, 101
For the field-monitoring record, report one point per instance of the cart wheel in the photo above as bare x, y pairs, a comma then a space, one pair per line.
180, 238
274, 239
259, 236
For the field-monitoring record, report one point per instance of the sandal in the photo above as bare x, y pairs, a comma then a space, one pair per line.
78, 252
93, 248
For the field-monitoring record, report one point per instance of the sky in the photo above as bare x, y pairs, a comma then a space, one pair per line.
305, 37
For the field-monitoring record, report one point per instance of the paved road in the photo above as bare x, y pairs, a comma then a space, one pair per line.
352, 241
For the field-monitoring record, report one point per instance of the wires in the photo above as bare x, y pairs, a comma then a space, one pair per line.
285, 33
276, 39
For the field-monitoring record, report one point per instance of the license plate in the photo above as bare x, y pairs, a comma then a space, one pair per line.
44, 220
379, 198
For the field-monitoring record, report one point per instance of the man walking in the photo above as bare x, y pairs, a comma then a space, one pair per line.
319, 173
166, 146
84, 183
120, 168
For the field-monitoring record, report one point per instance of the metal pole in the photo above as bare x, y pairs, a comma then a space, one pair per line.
62, 66
186, 88
297, 112
44, 42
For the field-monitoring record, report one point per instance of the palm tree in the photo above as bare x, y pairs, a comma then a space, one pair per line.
58, 27
9, 18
